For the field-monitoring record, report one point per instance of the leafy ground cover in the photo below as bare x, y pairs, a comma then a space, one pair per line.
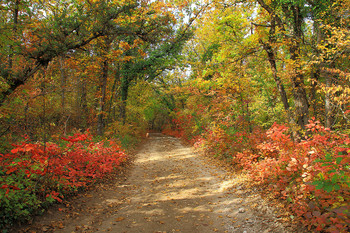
312, 175
34, 175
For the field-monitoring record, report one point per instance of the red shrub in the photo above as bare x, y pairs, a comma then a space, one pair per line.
35, 174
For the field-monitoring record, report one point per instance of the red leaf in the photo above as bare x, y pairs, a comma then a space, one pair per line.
14, 151
11, 169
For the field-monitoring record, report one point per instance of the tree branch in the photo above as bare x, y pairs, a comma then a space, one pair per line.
272, 13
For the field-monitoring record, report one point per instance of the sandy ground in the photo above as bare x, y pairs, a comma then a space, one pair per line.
169, 188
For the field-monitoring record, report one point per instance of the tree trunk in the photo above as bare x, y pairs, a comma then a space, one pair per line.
83, 103
111, 108
272, 60
125, 82
300, 97
271, 55
102, 99
299, 93
313, 102
250, 127
329, 110
63, 84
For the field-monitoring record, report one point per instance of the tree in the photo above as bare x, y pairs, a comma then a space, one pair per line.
58, 29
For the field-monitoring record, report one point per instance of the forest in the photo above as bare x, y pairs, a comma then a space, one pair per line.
263, 85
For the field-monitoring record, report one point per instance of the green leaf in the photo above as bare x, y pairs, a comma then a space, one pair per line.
335, 178
338, 160
328, 157
328, 188
318, 184
336, 187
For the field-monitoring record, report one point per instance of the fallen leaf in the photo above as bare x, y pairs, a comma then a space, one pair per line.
119, 219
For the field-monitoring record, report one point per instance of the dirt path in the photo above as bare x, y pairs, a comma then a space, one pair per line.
169, 189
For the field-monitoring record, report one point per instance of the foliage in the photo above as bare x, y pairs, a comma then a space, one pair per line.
147, 105
34, 175
69, 64
129, 135
260, 70
312, 175
248, 81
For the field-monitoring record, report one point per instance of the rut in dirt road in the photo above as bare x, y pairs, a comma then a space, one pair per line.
172, 189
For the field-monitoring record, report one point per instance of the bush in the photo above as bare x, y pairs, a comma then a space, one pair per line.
129, 135
311, 175
34, 175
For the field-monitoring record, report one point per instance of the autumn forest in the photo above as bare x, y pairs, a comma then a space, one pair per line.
263, 85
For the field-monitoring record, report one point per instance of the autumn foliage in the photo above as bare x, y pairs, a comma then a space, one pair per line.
311, 175
251, 82
268, 92
34, 174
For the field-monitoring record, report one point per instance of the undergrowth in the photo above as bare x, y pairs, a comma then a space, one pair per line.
312, 175
35, 175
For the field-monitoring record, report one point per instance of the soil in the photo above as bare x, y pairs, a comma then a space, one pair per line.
168, 188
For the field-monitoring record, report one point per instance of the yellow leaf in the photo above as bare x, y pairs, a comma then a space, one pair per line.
119, 219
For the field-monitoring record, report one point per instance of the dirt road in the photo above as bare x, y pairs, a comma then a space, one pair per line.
169, 189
